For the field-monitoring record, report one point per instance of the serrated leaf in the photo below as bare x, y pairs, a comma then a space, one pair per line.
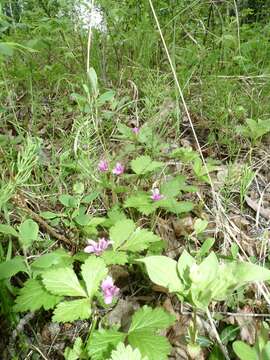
142, 202
63, 282
12, 267
34, 296
162, 271
101, 343
173, 187
151, 345
123, 352
150, 319
139, 240
174, 206
28, 233
93, 271
8, 230
114, 257
144, 164
73, 310
120, 232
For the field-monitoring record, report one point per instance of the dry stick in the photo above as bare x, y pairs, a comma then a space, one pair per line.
20, 201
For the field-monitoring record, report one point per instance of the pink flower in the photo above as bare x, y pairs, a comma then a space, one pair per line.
97, 247
118, 169
156, 195
103, 166
109, 290
136, 130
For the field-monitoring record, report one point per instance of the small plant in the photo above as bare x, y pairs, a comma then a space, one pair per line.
254, 129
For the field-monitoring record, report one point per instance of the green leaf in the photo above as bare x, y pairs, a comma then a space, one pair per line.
144, 164
57, 258
120, 232
93, 271
48, 215
123, 352
73, 310
206, 246
114, 215
200, 225
75, 352
244, 351
34, 296
28, 233
174, 206
91, 197
114, 257
173, 187
151, 345
139, 240
8, 230
247, 272
101, 343
92, 75
68, 201
150, 319
83, 219
63, 282
162, 271
12, 267
6, 49
183, 265
142, 202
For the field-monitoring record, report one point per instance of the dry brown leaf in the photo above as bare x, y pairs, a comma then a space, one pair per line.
257, 208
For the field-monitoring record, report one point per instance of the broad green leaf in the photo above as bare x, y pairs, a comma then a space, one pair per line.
200, 225
12, 267
67, 311
114, 257
91, 197
173, 187
174, 206
58, 258
244, 351
101, 343
142, 202
92, 75
120, 232
183, 265
68, 200
75, 352
93, 271
28, 233
150, 319
8, 230
151, 345
144, 164
162, 271
123, 352
114, 215
139, 240
34, 296
248, 272
63, 282
83, 219
48, 215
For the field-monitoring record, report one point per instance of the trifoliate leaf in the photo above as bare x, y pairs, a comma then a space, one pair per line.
102, 342
114, 257
33, 296
144, 164
28, 233
120, 232
162, 271
150, 319
142, 202
123, 352
139, 240
63, 281
93, 271
72, 310
151, 345
12, 267
75, 352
